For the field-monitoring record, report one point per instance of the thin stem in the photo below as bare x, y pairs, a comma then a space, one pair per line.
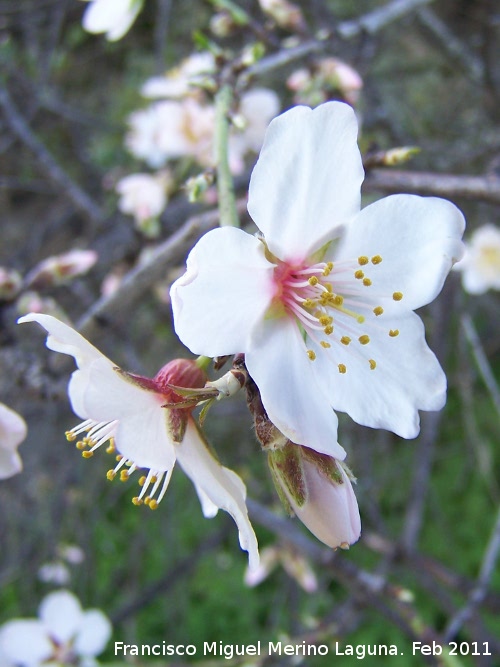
225, 185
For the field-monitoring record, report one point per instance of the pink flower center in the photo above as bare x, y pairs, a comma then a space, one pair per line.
330, 302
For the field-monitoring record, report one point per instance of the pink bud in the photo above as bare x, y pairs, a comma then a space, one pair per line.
180, 373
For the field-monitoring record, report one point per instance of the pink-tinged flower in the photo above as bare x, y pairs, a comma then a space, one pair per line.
63, 634
322, 303
10, 283
114, 17
60, 269
317, 489
480, 265
13, 431
128, 413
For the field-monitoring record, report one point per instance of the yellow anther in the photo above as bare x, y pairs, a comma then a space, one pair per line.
397, 296
313, 281
328, 330
80, 444
124, 475
111, 474
364, 339
328, 268
338, 300
311, 354
329, 287
342, 368
363, 260
309, 303
376, 259
70, 436
378, 310
345, 340
373, 364
137, 501
118, 457
111, 447
147, 500
153, 479
393, 333
359, 274
324, 344
87, 455
142, 480
153, 505
360, 319
367, 282
324, 320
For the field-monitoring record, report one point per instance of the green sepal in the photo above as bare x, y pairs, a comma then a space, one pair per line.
286, 464
176, 423
324, 464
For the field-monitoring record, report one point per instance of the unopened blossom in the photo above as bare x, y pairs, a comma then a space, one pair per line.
10, 283
144, 196
60, 269
13, 431
480, 265
318, 490
127, 413
113, 17
321, 302
181, 80
62, 634
286, 14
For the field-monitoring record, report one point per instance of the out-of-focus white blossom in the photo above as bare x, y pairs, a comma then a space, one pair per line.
294, 564
286, 14
63, 634
480, 265
54, 573
13, 431
329, 76
113, 17
144, 196
181, 80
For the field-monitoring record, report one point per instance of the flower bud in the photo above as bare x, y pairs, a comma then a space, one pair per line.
10, 283
286, 14
60, 269
180, 373
318, 490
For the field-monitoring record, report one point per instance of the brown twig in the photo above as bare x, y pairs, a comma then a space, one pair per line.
485, 188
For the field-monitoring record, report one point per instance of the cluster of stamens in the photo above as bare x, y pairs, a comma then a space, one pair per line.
95, 434
324, 299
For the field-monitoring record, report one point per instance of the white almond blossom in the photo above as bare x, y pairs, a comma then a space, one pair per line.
181, 80
13, 431
127, 413
480, 265
114, 17
170, 129
63, 634
143, 196
321, 303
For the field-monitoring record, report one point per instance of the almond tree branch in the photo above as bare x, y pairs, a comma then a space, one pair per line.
485, 188
20, 128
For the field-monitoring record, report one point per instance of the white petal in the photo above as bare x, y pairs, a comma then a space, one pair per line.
13, 431
61, 614
226, 290
407, 377
418, 238
220, 485
25, 642
307, 179
94, 633
62, 338
331, 510
111, 16
141, 433
287, 379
